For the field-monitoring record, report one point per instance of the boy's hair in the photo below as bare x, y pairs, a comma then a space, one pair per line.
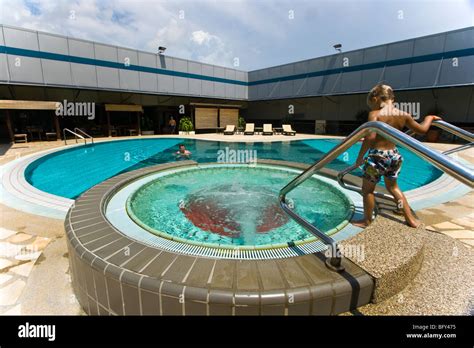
379, 94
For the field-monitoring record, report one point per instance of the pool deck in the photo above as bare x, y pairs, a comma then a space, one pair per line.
35, 276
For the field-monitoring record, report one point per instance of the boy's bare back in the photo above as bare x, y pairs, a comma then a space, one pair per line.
393, 117
399, 120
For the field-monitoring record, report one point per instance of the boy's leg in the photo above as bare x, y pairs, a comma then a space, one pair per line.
368, 188
400, 199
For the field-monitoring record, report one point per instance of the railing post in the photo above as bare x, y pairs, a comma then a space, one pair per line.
334, 258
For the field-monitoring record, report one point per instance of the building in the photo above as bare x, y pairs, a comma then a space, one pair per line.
137, 92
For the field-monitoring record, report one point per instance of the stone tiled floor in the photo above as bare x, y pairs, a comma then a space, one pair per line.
456, 218
34, 268
18, 254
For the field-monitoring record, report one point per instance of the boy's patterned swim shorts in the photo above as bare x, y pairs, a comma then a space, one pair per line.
380, 163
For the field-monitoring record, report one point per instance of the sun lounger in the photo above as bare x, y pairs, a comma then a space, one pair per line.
267, 129
287, 130
249, 129
229, 130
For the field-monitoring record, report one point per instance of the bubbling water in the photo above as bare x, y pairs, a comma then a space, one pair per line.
235, 205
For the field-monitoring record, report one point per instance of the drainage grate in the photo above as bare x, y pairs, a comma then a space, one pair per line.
228, 253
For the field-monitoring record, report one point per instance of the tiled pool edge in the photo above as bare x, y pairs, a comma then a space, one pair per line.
98, 254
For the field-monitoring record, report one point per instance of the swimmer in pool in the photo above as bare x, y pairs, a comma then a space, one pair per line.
383, 158
182, 153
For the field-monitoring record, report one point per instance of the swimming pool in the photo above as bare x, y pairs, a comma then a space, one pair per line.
234, 206
70, 172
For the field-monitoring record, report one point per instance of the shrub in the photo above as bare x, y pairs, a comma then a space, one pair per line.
186, 125
241, 122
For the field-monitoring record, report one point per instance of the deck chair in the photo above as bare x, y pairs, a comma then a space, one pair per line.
249, 129
229, 130
287, 130
267, 129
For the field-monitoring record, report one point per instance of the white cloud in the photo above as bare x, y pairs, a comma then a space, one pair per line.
202, 37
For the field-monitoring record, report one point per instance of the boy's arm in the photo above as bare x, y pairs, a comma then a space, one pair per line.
367, 143
423, 127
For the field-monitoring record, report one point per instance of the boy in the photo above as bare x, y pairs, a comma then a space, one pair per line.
183, 152
383, 158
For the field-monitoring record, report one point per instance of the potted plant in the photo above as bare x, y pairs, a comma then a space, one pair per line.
241, 122
186, 126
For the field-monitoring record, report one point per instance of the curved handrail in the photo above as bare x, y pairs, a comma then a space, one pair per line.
441, 161
462, 133
459, 132
78, 130
459, 148
75, 136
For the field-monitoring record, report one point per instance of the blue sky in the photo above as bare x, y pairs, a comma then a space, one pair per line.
259, 33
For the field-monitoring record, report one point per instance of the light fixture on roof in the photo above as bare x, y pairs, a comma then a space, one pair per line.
338, 47
161, 50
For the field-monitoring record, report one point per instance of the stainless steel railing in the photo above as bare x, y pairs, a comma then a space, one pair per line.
459, 148
78, 130
76, 136
459, 132
452, 129
340, 180
441, 161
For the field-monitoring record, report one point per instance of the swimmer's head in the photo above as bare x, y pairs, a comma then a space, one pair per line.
379, 95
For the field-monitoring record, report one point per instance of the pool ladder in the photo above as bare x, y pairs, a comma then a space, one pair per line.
439, 160
84, 136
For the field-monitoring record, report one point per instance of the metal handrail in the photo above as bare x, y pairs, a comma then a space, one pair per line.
459, 148
75, 136
462, 133
452, 129
459, 132
340, 180
441, 161
84, 133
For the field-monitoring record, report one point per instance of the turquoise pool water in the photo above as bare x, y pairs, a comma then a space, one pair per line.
234, 205
70, 172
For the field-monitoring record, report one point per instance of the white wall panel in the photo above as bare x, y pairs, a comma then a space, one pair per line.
25, 69
148, 82
4, 76
83, 75
129, 80
53, 44
79, 48
107, 77
21, 38
58, 73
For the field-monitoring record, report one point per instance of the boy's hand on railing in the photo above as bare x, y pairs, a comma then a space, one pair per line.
434, 117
